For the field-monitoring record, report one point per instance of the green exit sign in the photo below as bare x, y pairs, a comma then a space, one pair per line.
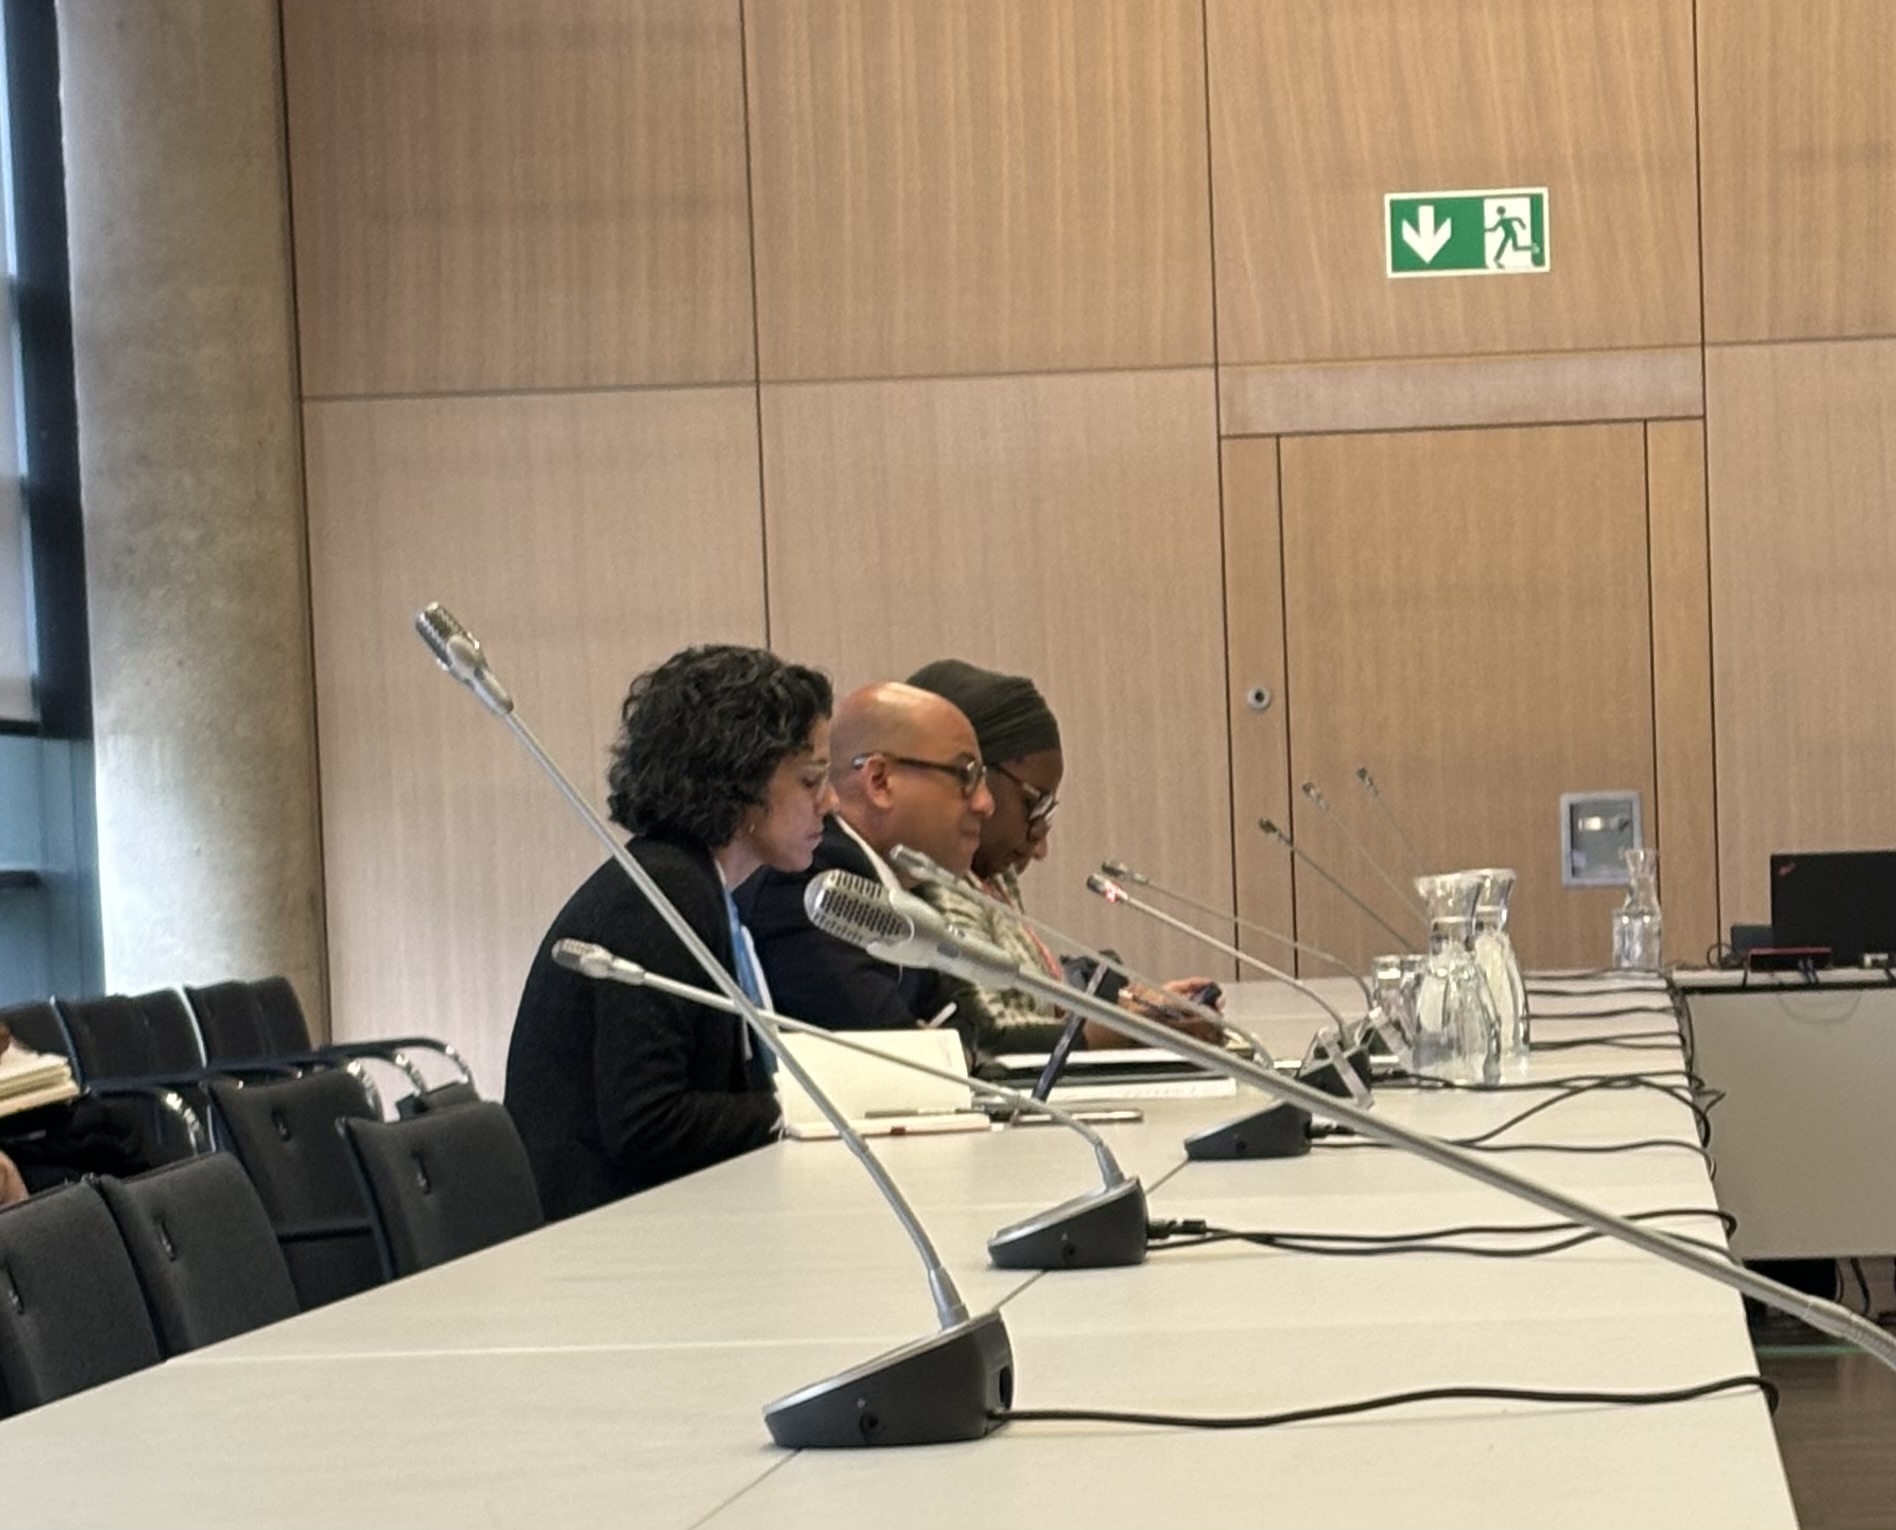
1466, 233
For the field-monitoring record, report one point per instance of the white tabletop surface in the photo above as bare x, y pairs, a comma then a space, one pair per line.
612, 1369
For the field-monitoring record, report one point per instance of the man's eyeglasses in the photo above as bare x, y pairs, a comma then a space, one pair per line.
1039, 804
969, 773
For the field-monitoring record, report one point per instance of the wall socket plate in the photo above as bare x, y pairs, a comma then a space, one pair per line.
1594, 828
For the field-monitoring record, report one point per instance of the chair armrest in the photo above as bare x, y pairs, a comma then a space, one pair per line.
389, 1048
162, 1095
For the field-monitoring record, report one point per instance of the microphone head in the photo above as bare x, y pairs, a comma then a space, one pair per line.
1271, 829
592, 961
1362, 774
458, 651
856, 909
440, 629
1309, 789
1106, 888
913, 863
1124, 873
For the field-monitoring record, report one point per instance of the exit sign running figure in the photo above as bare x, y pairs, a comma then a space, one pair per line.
1466, 233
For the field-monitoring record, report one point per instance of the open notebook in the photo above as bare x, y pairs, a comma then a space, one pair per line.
30, 1079
879, 1098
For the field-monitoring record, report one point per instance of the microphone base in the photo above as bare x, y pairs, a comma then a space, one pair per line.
1325, 1077
1100, 1230
943, 1388
1278, 1131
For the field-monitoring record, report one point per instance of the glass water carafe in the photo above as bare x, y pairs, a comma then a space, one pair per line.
1638, 926
1494, 955
1458, 1033
1391, 1009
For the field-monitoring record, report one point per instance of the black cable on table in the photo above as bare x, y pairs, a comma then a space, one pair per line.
1187, 1233
1392, 1400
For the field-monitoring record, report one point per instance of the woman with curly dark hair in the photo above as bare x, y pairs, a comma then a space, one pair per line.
721, 767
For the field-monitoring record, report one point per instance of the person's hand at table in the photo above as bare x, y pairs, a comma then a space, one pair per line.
12, 1187
1164, 1006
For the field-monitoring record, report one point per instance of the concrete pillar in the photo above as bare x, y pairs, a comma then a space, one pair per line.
190, 460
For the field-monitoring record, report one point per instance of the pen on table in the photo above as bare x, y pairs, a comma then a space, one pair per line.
942, 1110
940, 1016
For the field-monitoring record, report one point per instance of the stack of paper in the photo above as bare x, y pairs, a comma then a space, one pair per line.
30, 1079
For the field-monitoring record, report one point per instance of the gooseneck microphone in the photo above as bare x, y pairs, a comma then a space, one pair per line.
1406, 894
900, 927
1278, 1131
947, 1386
1103, 1228
1403, 942
923, 868
1368, 783
1120, 872
1347, 1073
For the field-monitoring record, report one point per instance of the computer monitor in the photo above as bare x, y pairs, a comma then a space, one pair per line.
1842, 899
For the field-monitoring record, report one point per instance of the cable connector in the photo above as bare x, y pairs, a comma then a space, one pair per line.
1177, 1227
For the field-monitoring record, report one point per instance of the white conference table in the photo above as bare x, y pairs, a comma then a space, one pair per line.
612, 1369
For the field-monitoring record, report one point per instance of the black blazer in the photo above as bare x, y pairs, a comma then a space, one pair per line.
616, 1089
827, 981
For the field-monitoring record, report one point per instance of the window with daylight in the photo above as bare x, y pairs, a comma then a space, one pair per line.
49, 887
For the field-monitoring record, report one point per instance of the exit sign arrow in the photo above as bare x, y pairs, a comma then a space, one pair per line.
1427, 241
1497, 231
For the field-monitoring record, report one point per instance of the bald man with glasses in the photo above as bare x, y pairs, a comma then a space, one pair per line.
907, 770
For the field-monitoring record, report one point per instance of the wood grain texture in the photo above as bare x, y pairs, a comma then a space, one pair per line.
1797, 124
1467, 614
1686, 829
1801, 458
1836, 1430
964, 186
1327, 398
489, 195
1060, 527
582, 539
1260, 742
1321, 107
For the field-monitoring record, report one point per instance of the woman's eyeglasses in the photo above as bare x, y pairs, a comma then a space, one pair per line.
1039, 804
970, 773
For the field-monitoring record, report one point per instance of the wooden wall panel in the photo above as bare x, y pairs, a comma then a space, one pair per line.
581, 539
1060, 527
1685, 821
1573, 388
1319, 108
1467, 614
1797, 123
1260, 741
957, 186
1801, 456
491, 195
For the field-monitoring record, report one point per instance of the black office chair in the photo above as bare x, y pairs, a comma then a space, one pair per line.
245, 1021
111, 1038
147, 1120
203, 1249
284, 1135
147, 1045
37, 1026
444, 1184
71, 1314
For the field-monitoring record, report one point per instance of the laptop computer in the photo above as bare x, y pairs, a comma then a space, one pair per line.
1841, 899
